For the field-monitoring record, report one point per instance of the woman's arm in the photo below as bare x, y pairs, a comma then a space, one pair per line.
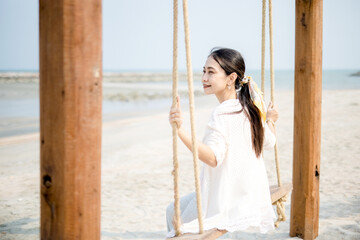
269, 129
271, 126
206, 154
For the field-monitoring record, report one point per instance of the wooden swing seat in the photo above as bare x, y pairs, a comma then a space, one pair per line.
276, 193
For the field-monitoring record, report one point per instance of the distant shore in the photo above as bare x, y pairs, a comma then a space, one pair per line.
29, 77
124, 87
356, 74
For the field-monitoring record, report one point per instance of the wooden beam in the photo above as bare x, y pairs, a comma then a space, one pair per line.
304, 221
70, 118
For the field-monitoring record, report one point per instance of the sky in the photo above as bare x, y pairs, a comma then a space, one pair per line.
137, 34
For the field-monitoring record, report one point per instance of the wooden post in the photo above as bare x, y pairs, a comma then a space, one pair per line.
70, 118
304, 220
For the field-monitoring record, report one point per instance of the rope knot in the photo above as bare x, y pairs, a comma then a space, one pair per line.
280, 209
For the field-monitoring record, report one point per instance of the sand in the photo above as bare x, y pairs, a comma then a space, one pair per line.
137, 165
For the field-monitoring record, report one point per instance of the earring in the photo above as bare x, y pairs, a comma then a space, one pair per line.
229, 87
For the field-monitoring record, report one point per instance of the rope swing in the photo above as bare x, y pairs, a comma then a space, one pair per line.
192, 118
279, 192
280, 208
174, 127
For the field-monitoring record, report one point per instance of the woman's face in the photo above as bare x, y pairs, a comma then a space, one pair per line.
214, 78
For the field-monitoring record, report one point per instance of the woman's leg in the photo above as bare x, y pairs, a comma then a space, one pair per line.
187, 208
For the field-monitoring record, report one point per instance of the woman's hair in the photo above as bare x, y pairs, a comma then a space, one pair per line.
231, 61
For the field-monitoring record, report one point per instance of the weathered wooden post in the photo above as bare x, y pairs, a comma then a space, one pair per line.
304, 220
70, 118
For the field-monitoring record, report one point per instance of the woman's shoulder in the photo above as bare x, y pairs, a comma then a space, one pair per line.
224, 113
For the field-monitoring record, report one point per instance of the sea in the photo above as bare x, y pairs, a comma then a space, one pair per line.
22, 113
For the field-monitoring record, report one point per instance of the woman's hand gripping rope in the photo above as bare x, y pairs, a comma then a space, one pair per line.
272, 113
175, 115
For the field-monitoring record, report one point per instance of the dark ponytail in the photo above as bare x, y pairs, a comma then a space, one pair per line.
231, 61
253, 114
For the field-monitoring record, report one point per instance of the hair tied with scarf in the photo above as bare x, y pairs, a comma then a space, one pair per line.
256, 95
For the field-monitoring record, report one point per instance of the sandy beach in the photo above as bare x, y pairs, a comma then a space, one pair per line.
137, 164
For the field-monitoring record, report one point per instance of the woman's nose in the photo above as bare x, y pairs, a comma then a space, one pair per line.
205, 78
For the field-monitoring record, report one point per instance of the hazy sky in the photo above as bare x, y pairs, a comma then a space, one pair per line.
137, 34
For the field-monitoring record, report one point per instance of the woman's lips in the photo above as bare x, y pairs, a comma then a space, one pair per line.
206, 86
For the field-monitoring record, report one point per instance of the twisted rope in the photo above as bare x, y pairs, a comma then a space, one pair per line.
280, 208
174, 126
272, 78
263, 48
192, 117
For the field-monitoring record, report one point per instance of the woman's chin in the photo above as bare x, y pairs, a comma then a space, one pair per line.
207, 92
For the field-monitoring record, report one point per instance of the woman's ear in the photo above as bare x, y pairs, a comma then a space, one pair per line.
232, 78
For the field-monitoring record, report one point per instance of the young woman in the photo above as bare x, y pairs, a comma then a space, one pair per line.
234, 185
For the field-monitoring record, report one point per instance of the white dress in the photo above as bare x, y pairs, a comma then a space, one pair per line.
235, 194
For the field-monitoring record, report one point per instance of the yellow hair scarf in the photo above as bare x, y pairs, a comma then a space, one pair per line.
256, 96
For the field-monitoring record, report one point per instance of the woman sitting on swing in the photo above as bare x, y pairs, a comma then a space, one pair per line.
234, 185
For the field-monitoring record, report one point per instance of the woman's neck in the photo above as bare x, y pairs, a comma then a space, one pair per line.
226, 95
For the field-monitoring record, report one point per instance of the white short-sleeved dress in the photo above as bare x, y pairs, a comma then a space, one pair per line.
235, 194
